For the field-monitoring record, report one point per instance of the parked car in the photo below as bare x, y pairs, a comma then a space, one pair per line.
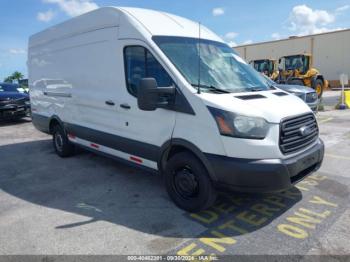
307, 94
136, 88
14, 104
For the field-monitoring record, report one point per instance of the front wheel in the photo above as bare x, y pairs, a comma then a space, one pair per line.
188, 183
318, 86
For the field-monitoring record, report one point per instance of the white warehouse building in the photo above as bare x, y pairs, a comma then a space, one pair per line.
330, 52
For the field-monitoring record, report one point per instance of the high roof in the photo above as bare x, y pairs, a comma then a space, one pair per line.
144, 20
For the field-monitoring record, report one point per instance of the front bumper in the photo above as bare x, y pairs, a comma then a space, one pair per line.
265, 175
13, 111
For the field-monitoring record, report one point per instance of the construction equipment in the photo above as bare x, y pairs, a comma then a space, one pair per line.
268, 67
298, 70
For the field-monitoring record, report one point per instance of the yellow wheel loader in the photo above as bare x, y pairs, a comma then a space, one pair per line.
298, 70
266, 66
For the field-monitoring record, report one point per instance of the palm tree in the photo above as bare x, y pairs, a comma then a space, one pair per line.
17, 76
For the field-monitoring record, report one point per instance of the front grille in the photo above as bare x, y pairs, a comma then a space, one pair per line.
311, 97
5, 102
297, 133
20, 101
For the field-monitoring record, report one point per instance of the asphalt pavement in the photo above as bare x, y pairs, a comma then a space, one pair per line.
92, 205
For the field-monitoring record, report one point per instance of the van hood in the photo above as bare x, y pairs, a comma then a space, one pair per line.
295, 88
273, 106
12, 96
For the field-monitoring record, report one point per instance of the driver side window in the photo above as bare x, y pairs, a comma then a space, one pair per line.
306, 64
140, 63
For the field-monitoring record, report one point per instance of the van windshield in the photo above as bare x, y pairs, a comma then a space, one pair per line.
221, 69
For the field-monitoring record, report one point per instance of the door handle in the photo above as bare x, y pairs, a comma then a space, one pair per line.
110, 103
125, 106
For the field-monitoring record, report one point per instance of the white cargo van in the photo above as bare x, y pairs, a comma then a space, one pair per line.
160, 92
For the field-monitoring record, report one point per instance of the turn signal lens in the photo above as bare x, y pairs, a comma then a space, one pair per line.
224, 127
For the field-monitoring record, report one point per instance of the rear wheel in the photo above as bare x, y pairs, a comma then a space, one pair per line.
188, 183
61, 143
318, 86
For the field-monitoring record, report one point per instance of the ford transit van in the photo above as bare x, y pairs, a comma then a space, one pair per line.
162, 92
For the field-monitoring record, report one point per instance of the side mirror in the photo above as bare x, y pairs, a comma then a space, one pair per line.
149, 94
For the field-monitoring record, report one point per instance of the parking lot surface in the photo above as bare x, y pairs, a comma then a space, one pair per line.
89, 204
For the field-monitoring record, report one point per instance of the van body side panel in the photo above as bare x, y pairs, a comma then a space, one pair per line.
80, 67
73, 78
42, 123
199, 129
70, 78
114, 141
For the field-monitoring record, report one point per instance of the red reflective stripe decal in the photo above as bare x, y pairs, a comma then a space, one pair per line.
71, 136
94, 145
135, 159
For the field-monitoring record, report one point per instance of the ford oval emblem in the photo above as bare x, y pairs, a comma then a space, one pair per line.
305, 130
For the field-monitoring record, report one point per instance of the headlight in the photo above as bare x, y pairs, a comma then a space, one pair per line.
311, 97
234, 125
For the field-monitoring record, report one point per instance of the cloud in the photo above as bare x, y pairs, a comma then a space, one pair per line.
230, 38
218, 11
232, 43
45, 16
74, 7
342, 8
231, 35
247, 42
303, 20
275, 36
17, 51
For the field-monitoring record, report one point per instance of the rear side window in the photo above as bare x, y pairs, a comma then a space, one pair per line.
140, 63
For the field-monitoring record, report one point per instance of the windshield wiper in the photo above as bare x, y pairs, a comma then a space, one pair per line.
212, 88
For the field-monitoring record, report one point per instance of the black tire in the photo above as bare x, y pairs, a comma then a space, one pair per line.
318, 87
61, 143
188, 183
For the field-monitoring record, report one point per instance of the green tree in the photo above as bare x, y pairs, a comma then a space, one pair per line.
8, 79
17, 76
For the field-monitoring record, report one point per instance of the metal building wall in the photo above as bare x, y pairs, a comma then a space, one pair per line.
331, 52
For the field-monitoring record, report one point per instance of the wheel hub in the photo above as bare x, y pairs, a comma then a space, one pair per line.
185, 183
59, 141
318, 89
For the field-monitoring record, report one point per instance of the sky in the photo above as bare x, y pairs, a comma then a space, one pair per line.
237, 22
